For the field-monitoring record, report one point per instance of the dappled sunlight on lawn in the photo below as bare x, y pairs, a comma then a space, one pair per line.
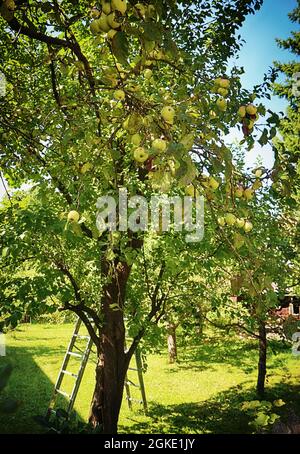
202, 393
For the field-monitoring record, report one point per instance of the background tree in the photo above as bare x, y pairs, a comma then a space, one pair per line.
287, 151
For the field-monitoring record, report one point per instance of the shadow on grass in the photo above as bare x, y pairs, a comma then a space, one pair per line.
219, 415
31, 387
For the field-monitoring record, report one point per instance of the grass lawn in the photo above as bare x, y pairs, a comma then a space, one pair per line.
201, 394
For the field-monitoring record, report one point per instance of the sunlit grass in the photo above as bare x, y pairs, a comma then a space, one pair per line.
202, 393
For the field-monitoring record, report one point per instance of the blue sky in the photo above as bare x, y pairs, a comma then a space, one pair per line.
257, 55
260, 50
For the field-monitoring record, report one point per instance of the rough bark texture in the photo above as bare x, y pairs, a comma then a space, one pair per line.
172, 343
262, 368
112, 360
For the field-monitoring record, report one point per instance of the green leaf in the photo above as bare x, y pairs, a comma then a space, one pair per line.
262, 419
272, 133
273, 418
5, 251
273, 119
263, 140
120, 48
251, 405
152, 32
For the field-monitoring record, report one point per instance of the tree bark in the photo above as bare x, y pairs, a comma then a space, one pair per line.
112, 360
172, 343
262, 362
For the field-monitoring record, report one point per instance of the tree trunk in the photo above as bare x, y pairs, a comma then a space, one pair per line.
172, 343
262, 367
112, 361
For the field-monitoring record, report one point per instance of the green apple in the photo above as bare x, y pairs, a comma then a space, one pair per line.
240, 222
148, 73
111, 33
251, 110
256, 185
213, 183
221, 221
230, 219
156, 54
106, 6
140, 155
73, 216
159, 145
95, 13
136, 140
168, 114
191, 191
222, 104
103, 23
95, 27
239, 192
119, 5
10, 5
223, 91
258, 173
248, 226
224, 83
151, 11
86, 168
119, 95
149, 46
248, 193
242, 111
112, 21
141, 9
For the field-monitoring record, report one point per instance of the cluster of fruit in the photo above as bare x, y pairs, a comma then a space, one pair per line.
231, 220
73, 216
248, 116
209, 183
110, 18
221, 87
248, 193
158, 145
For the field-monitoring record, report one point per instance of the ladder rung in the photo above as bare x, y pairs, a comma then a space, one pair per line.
80, 336
130, 383
63, 393
78, 355
134, 400
66, 372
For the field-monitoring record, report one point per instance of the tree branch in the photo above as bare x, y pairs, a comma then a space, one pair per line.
80, 311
